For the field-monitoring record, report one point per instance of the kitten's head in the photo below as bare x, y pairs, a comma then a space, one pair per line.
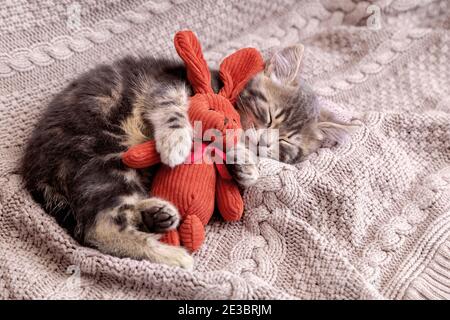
277, 99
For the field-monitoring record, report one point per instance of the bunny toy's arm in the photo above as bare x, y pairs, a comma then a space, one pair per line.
228, 199
142, 155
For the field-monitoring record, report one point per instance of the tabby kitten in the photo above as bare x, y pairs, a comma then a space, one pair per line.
72, 162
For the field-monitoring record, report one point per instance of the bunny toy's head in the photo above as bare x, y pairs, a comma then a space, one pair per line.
216, 111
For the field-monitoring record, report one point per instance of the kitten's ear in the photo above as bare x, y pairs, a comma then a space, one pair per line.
333, 129
334, 132
284, 65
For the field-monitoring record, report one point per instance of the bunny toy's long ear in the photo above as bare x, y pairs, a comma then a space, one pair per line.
237, 69
190, 51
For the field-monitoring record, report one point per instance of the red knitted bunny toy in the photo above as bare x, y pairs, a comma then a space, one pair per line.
194, 187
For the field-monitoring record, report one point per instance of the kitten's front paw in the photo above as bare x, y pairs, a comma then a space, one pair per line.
175, 147
245, 175
244, 168
159, 215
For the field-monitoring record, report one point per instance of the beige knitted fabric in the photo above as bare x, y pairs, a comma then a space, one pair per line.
368, 219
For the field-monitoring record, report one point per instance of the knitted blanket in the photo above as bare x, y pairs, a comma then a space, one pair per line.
369, 219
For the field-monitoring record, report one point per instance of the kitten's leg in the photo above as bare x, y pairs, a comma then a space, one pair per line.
172, 129
115, 214
123, 231
244, 168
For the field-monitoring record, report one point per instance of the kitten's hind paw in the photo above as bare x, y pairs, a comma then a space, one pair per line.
158, 215
172, 256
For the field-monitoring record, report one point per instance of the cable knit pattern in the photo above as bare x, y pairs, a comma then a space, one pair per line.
369, 219
63, 47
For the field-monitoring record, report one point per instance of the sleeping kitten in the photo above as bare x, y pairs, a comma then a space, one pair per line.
277, 99
72, 161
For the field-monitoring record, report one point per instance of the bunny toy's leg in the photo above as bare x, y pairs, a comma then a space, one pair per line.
172, 237
192, 232
229, 200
